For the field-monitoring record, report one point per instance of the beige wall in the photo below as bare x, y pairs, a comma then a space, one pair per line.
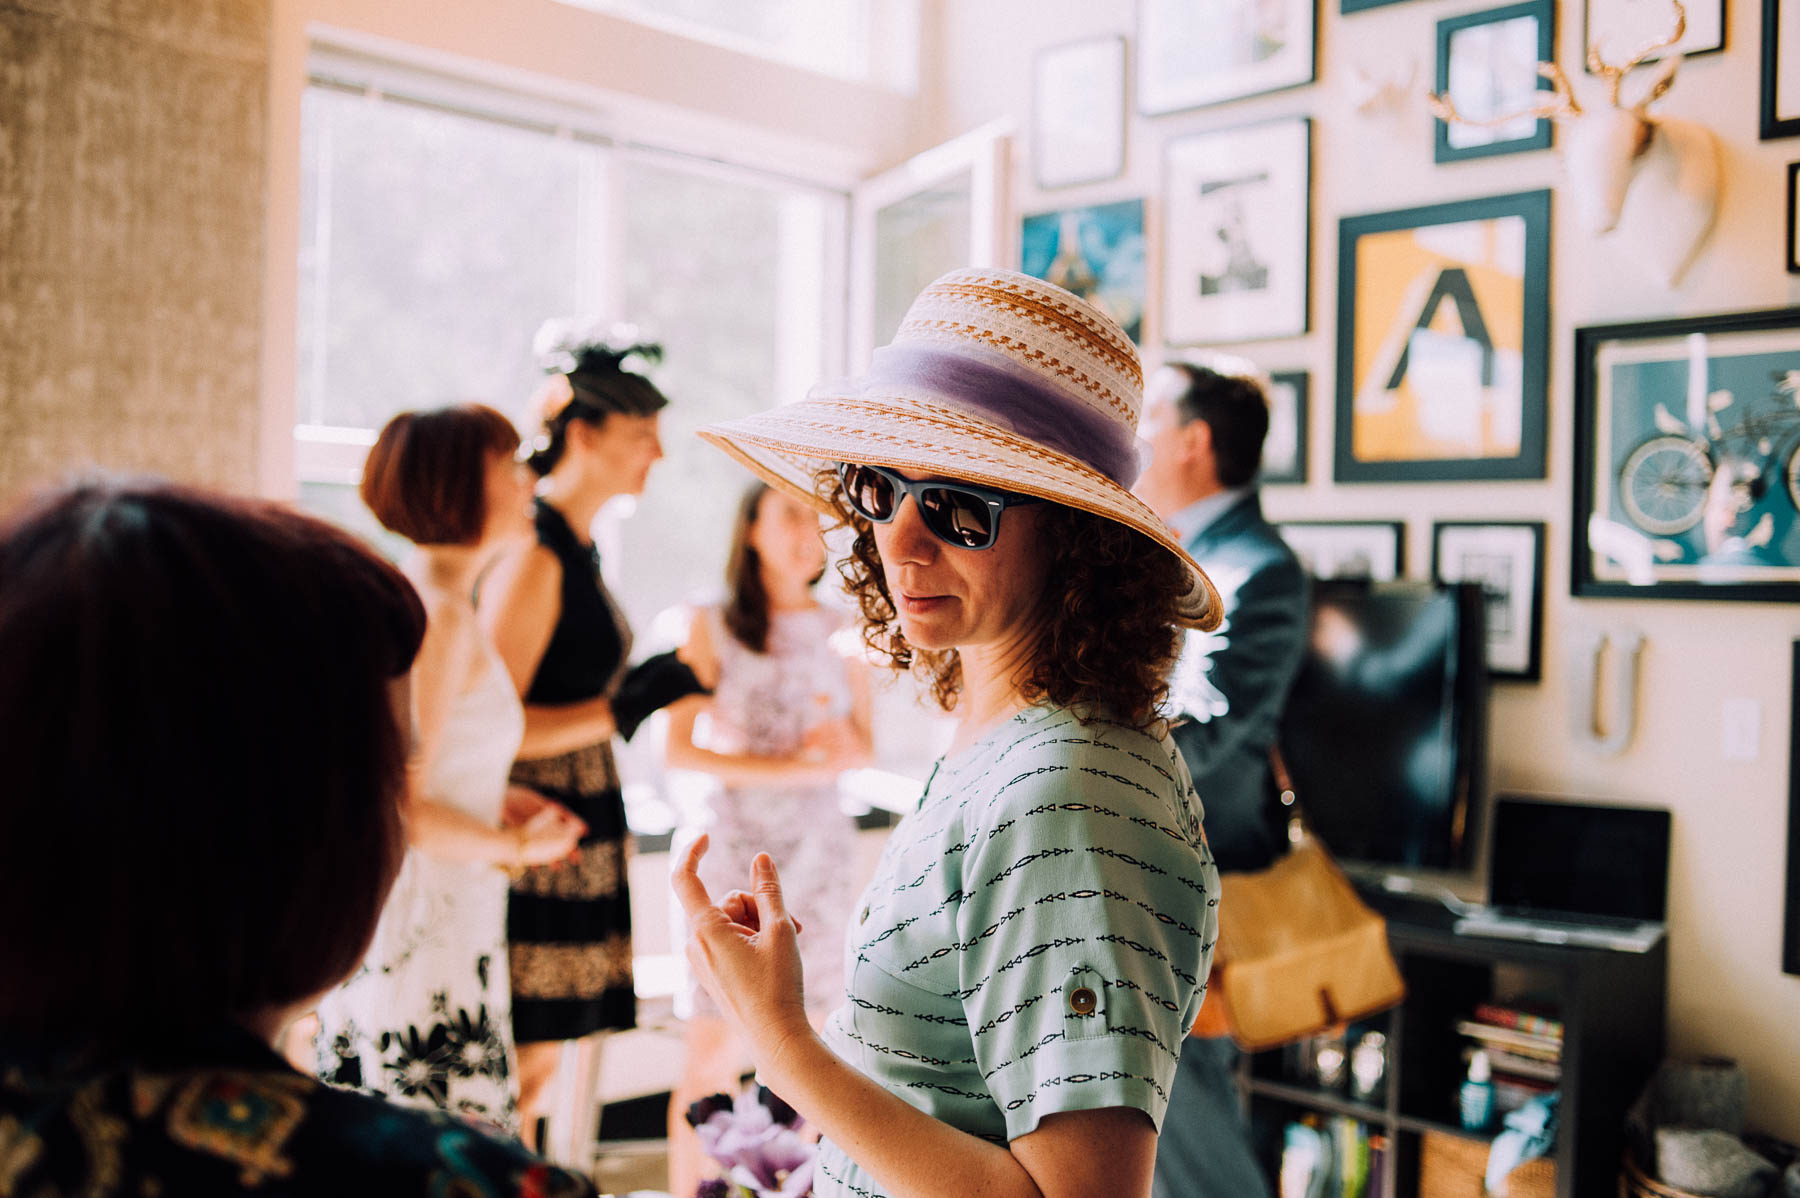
1727, 991
131, 237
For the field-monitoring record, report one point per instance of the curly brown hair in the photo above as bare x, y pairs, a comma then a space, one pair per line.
1109, 639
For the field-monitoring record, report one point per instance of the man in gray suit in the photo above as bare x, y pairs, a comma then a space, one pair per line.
1206, 432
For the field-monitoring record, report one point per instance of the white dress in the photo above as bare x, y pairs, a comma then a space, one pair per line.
764, 705
426, 1019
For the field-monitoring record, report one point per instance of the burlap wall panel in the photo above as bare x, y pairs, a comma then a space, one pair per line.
132, 143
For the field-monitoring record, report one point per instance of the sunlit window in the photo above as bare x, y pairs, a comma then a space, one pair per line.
434, 243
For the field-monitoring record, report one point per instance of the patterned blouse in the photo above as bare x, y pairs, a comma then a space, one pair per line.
228, 1116
1036, 936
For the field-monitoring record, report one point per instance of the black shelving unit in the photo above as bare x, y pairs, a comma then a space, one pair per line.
1612, 1006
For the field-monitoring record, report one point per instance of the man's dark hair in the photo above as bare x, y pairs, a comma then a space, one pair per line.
204, 757
1236, 410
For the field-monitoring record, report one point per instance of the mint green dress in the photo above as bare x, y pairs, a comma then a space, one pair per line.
1037, 935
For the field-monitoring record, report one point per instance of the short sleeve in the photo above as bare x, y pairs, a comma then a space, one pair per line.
1086, 927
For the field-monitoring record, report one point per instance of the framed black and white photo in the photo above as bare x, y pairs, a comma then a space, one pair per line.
1284, 449
1237, 209
1487, 69
1196, 52
1781, 69
1687, 458
1372, 549
1793, 219
1618, 27
1078, 112
1507, 559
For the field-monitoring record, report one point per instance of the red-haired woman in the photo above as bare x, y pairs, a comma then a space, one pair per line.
204, 703
426, 1019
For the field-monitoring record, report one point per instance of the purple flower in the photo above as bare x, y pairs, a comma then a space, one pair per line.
715, 1187
763, 1155
700, 1112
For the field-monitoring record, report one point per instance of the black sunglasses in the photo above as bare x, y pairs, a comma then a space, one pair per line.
959, 514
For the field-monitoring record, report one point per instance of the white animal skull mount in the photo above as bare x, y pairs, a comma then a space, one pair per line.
1652, 181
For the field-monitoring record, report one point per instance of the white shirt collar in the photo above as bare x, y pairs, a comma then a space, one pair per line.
1198, 516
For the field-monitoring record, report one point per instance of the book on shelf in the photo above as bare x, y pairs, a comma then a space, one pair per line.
1524, 1044
1511, 1093
1518, 1065
1530, 1022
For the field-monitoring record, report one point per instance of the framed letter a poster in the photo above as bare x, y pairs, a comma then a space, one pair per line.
1443, 341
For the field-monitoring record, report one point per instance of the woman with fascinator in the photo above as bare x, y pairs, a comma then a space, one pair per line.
565, 643
1023, 968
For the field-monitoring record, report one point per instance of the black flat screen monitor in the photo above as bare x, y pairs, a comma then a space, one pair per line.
1385, 730
1583, 858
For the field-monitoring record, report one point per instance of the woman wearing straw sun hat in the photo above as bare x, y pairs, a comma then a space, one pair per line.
1023, 967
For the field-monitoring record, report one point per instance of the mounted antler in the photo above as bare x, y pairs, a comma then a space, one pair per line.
1670, 166
1559, 104
1615, 75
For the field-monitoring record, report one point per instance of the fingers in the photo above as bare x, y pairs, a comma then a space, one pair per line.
685, 879
769, 904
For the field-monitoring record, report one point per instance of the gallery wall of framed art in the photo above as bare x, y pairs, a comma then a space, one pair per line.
1432, 377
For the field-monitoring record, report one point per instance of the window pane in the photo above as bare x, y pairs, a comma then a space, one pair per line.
916, 240
729, 277
433, 245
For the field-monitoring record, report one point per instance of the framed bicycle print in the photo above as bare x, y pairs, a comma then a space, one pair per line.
1507, 558
1444, 341
1687, 458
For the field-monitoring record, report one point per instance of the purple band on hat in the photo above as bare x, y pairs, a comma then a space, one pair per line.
1016, 400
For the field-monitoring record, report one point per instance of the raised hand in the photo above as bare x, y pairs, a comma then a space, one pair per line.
744, 952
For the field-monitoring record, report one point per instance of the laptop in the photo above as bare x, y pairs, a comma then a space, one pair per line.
1575, 873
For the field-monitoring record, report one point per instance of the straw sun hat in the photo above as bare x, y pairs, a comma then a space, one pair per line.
994, 378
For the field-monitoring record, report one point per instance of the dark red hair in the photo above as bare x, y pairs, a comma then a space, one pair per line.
201, 812
426, 476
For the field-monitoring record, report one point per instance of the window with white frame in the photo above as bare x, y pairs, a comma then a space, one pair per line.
435, 241
871, 41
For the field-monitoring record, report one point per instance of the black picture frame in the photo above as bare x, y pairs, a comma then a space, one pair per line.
1646, 465
1790, 931
1541, 11
1793, 220
1301, 383
1104, 110
1775, 123
1456, 286
1513, 654
1306, 537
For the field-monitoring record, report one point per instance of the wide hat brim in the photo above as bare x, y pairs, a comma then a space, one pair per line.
787, 446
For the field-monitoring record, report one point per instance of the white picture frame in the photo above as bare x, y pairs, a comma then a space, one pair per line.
1078, 113
1191, 53
1372, 549
1237, 222
1507, 558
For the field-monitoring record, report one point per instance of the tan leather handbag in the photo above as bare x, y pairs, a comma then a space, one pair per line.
1298, 951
